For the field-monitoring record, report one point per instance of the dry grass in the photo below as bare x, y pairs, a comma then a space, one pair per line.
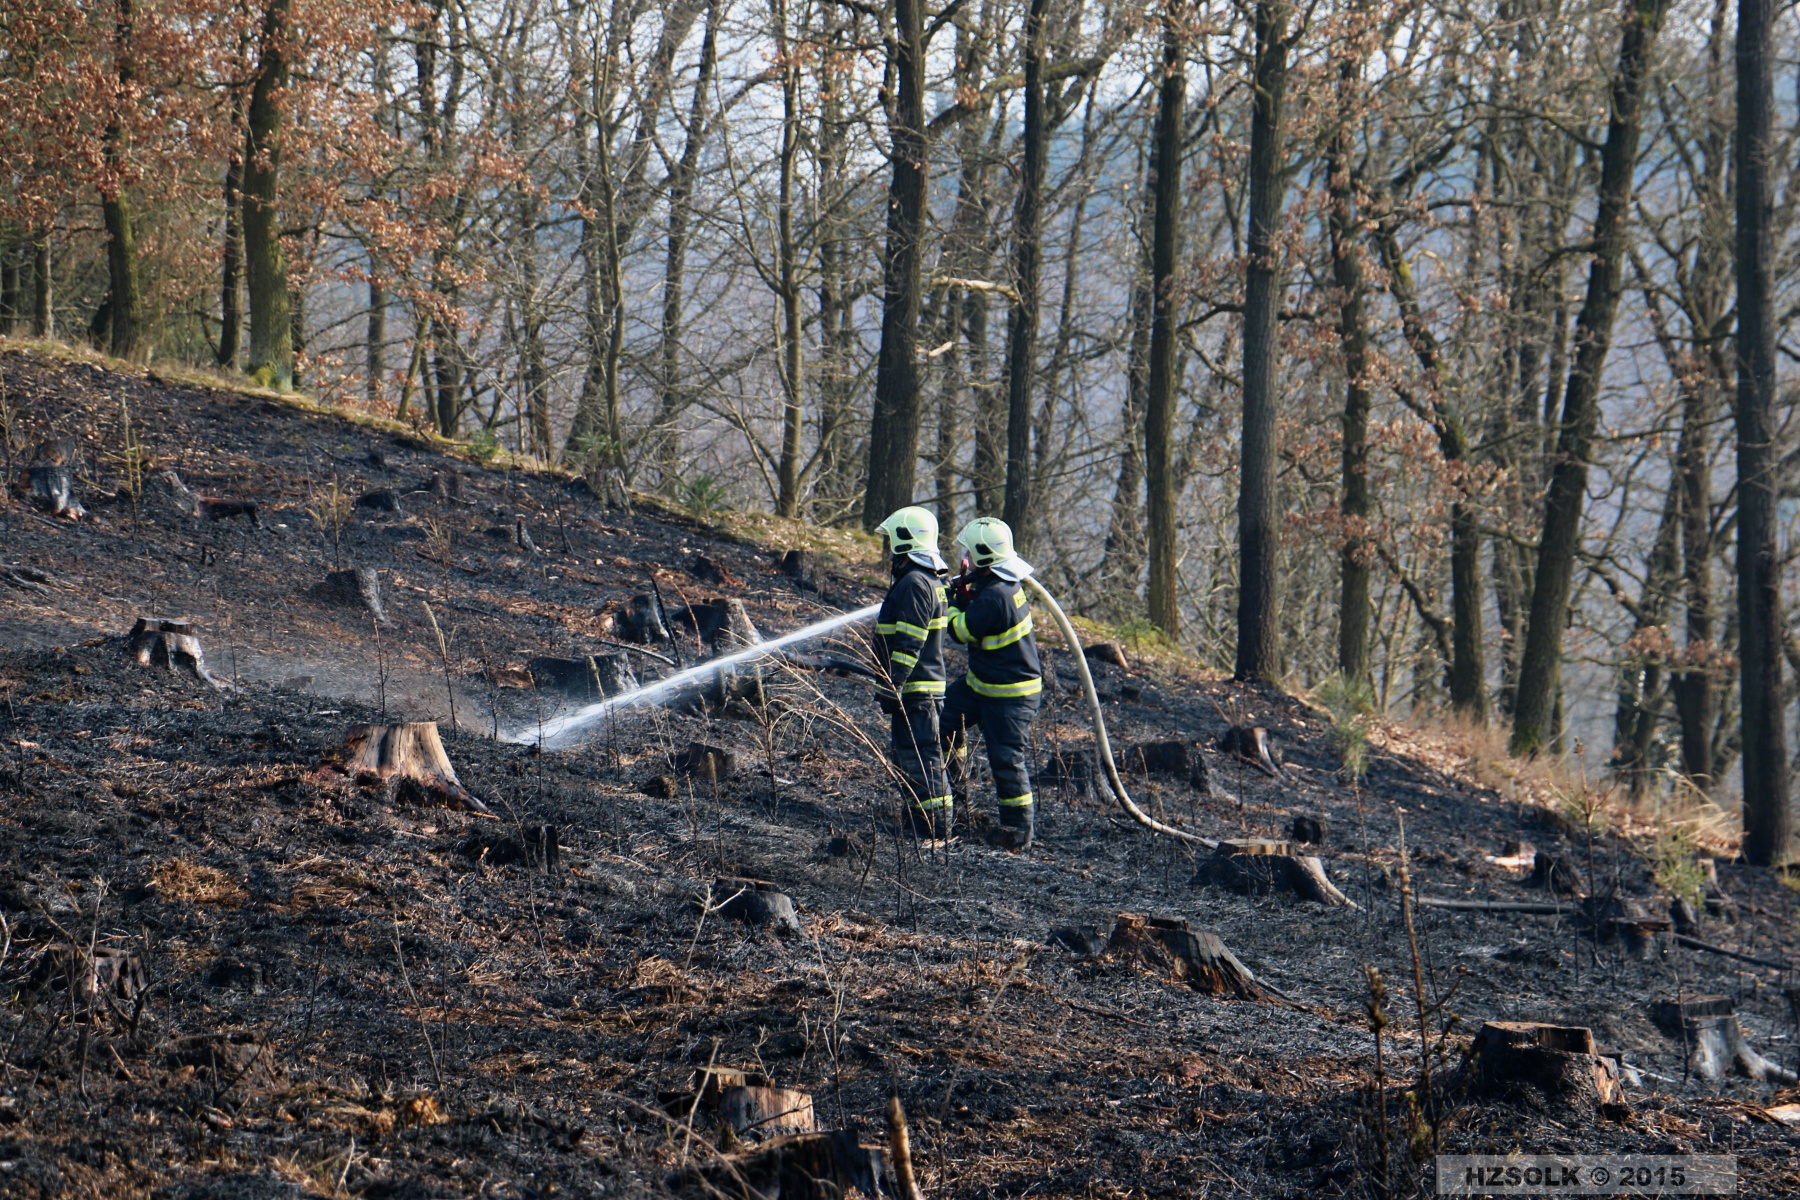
1556, 785
179, 879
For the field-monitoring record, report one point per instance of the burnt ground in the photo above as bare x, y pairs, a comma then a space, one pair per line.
394, 999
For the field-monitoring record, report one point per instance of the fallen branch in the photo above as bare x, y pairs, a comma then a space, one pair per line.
1537, 907
1694, 943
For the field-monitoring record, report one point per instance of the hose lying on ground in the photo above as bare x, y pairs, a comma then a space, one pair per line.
1103, 748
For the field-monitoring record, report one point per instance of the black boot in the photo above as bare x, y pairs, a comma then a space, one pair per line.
1016, 827
930, 825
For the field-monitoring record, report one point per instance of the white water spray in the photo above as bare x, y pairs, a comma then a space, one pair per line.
560, 731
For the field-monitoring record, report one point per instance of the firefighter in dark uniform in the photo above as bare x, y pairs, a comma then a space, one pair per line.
1004, 684
910, 636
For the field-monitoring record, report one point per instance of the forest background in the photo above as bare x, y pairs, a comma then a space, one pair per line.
1404, 345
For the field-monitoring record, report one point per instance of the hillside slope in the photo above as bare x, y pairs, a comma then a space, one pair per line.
350, 992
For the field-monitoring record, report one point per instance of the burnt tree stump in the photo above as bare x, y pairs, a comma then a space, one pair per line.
808, 1166
410, 759
165, 642
1557, 1061
166, 489
359, 587
801, 566
704, 761
1714, 1042
51, 479
1198, 958
105, 977
766, 1112
1259, 867
380, 500
1109, 653
1156, 758
1554, 874
757, 903
1308, 829
1251, 745
589, 677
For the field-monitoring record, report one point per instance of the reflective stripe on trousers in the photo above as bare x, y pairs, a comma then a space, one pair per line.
1006, 728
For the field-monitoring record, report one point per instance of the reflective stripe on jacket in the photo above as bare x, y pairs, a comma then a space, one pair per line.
910, 631
1003, 654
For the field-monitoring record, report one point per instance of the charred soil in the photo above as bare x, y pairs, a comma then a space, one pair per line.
231, 968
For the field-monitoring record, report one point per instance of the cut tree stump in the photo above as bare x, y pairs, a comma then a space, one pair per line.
1156, 758
1708, 1029
801, 566
755, 902
1621, 919
1260, 867
445, 485
766, 1111
589, 677
106, 976
1198, 958
1251, 745
359, 587
638, 621
409, 758
1557, 1061
738, 625
808, 1166
708, 762
380, 500
1308, 829
1110, 653
1555, 874
51, 479
166, 489
230, 1061
165, 642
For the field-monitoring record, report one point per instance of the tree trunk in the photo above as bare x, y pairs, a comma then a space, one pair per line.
894, 429
787, 467
9, 286
1162, 595
1259, 596
1021, 356
231, 271
1540, 667
1768, 819
271, 357
1356, 558
121, 245
375, 342
43, 316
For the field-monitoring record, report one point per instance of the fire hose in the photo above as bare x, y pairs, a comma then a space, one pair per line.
1102, 747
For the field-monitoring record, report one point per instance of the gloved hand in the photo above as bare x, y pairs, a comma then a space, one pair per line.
961, 591
889, 701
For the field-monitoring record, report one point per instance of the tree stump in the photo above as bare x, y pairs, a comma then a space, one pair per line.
1199, 959
801, 566
1259, 867
1557, 1061
1554, 874
106, 977
385, 500
1619, 919
1108, 653
445, 485
738, 625
51, 479
808, 1166
409, 758
1308, 830
589, 677
1156, 758
359, 587
766, 1111
1251, 745
638, 621
161, 641
1708, 1029
165, 489
713, 763
755, 902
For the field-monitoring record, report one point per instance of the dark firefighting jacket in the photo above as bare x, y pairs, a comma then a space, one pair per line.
910, 631
996, 627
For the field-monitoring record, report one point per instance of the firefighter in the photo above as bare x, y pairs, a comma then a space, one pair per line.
910, 636
1004, 684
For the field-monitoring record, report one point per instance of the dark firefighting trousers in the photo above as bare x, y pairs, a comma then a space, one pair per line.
918, 754
1006, 728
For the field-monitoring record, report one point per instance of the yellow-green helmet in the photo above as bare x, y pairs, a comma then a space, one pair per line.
988, 540
911, 530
